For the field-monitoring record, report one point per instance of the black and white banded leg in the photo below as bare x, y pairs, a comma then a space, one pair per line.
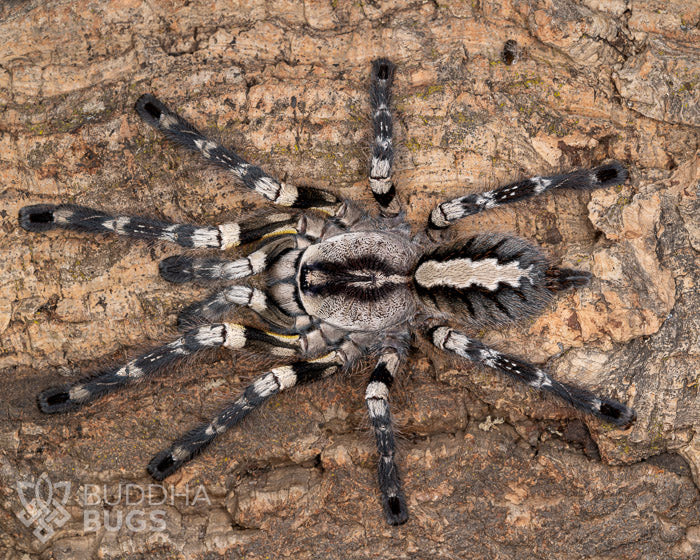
380, 179
220, 303
449, 212
228, 335
377, 400
274, 381
180, 131
606, 409
181, 268
43, 217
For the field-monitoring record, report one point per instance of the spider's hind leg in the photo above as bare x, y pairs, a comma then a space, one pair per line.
606, 409
446, 213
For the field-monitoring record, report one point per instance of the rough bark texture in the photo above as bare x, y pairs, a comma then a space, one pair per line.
491, 470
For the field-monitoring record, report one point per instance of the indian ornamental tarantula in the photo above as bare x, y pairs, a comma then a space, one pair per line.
340, 285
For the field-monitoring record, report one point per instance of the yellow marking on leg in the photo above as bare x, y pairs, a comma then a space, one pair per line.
328, 358
277, 232
289, 337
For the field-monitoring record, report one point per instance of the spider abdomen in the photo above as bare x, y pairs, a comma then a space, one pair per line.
358, 281
487, 279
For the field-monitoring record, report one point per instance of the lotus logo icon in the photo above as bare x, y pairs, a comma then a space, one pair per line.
43, 504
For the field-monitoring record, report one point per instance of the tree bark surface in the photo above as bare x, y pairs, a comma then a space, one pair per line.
491, 469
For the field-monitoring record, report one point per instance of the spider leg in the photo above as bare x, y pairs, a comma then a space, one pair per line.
606, 409
274, 381
43, 217
380, 180
377, 399
228, 335
177, 129
180, 268
449, 212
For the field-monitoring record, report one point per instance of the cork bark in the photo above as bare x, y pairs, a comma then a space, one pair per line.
491, 469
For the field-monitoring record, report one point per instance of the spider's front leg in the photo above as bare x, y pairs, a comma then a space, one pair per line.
182, 268
377, 399
343, 353
446, 213
177, 129
606, 409
43, 217
228, 335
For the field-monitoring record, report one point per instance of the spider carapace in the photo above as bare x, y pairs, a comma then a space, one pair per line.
338, 285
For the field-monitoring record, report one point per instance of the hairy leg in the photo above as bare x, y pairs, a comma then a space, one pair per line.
177, 129
43, 217
606, 409
377, 400
380, 179
449, 212
228, 335
274, 381
181, 268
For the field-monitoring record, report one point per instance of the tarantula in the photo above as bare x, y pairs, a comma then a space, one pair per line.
340, 285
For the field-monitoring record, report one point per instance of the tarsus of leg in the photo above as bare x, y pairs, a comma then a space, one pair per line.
377, 400
228, 335
449, 212
606, 409
177, 129
274, 381
380, 179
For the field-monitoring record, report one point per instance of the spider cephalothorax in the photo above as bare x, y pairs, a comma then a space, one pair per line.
338, 285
